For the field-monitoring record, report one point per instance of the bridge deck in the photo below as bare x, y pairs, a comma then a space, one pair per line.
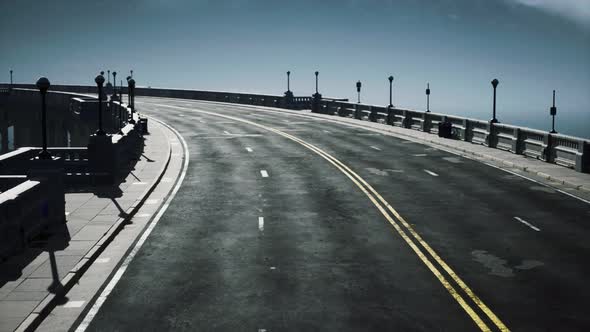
268, 232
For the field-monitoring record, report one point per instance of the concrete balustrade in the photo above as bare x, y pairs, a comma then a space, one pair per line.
563, 150
18, 205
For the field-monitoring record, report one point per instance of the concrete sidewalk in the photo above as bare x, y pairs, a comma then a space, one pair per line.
93, 220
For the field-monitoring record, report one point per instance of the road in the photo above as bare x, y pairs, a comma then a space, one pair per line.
290, 223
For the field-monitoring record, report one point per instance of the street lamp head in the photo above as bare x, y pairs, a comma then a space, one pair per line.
131, 82
288, 73
390, 79
11, 71
128, 78
102, 72
114, 73
317, 73
43, 84
99, 80
495, 83
358, 86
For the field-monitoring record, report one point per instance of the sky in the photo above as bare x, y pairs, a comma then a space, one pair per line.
458, 46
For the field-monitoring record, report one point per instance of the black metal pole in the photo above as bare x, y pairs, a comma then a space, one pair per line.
131, 84
100, 131
11, 78
99, 80
43, 84
390, 91
494, 84
316, 81
427, 97
288, 81
553, 112
44, 121
120, 119
358, 90
114, 84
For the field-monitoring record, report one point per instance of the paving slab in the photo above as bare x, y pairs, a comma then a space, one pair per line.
91, 220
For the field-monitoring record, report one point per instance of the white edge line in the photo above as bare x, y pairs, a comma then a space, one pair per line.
528, 224
105, 293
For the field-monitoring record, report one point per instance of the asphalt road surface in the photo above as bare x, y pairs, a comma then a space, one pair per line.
286, 223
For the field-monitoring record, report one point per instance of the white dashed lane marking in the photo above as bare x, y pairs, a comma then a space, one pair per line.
430, 172
375, 148
527, 223
264, 173
249, 149
261, 224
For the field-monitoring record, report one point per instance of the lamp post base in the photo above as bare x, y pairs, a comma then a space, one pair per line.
44, 155
494, 120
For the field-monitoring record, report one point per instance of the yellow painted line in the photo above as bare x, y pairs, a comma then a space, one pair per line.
373, 195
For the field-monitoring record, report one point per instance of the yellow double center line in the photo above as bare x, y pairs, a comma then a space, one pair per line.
395, 219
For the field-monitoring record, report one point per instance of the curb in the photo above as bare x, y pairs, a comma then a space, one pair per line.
45, 307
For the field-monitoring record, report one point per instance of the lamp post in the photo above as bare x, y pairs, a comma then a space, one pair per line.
358, 90
316, 81
99, 80
43, 84
114, 84
108, 76
427, 97
11, 78
494, 84
131, 71
553, 112
131, 84
121, 91
390, 91
128, 91
288, 81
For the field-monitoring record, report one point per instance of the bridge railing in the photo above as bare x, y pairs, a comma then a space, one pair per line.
568, 151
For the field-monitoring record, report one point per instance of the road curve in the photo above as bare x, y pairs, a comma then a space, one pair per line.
291, 223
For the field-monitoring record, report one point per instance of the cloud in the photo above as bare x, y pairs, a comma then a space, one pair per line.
577, 11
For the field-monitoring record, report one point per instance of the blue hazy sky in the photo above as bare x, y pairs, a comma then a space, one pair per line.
459, 46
